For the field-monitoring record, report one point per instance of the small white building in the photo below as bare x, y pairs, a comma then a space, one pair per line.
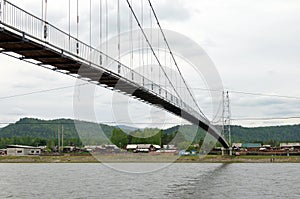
237, 145
169, 146
131, 147
156, 147
20, 150
290, 146
142, 147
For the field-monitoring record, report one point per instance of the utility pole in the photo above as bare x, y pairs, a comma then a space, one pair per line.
58, 139
62, 137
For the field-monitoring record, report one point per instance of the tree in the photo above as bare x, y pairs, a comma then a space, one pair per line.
50, 143
179, 138
119, 138
183, 145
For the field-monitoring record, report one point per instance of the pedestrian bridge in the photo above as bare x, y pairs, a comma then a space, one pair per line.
33, 39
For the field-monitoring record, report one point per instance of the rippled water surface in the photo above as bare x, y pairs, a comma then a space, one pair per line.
175, 181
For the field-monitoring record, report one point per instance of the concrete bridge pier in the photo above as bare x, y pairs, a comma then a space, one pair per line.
227, 151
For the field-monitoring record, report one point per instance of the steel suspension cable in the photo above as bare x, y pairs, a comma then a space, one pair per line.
46, 8
77, 28
151, 37
90, 33
131, 38
165, 48
142, 22
151, 60
119, 36
172, 55
69, 25
45, 23
2, 10
100, 29
90, 24
152, 50
106, 28
42, 22
42, 10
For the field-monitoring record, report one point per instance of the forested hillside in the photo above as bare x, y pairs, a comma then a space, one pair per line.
44, 132
41, 132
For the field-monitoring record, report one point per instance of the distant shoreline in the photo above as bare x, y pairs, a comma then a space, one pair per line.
150, 159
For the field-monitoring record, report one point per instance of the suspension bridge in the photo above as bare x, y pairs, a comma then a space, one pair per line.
35, 40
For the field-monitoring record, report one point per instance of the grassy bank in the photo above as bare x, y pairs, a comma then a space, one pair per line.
149, 159
48, 159
240, 159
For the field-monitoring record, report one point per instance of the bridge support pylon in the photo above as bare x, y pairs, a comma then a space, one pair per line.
226, 151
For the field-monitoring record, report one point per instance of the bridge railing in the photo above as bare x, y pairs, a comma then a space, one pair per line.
46, 34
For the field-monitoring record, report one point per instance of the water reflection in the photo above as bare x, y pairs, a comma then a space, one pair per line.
200, 183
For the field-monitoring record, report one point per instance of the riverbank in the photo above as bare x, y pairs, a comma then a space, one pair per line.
149, 159
240, 159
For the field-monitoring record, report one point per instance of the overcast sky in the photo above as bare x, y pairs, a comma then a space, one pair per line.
254, 44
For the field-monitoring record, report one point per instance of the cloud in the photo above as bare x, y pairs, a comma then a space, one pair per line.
172, 11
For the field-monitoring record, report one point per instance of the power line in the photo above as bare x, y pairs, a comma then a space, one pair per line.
231, 91
42, 91
104, 122
266, 95
266, 118
248, 93
123, 122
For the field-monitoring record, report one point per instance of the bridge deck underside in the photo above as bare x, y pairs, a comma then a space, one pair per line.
30, 50
10, 42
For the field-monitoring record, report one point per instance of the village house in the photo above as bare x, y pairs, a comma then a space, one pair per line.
290, 146
20, 150
251, 146
144, 148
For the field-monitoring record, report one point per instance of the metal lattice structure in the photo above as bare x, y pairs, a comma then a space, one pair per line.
226, 118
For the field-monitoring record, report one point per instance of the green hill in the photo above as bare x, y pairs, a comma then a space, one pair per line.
38, 132
289, 133
41, 132
275, 134
28, 127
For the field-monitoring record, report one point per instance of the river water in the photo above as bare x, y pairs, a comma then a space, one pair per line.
175, 181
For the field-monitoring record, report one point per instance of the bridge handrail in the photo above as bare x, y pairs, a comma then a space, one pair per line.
48, 34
